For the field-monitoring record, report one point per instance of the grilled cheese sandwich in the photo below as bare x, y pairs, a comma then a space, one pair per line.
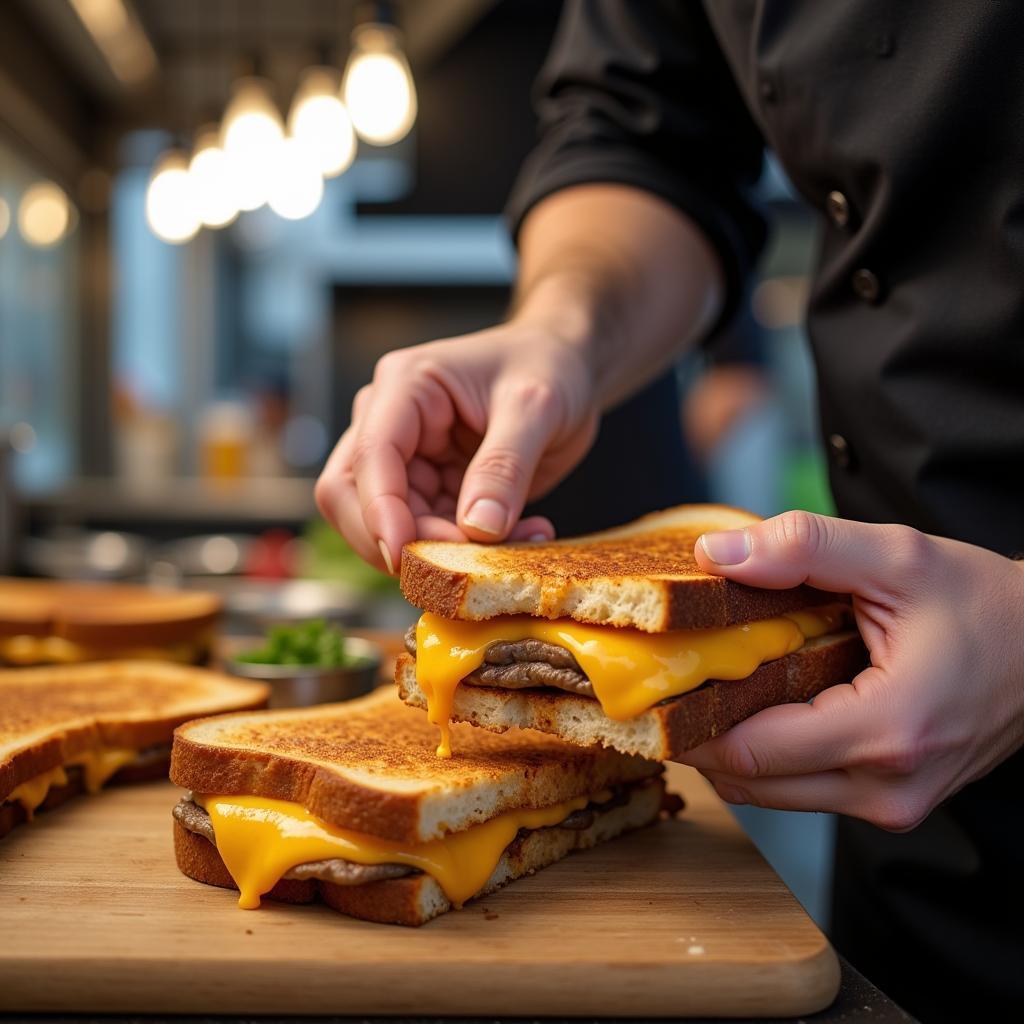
49, 622
68, 729
618, 638
348, 802
25, 651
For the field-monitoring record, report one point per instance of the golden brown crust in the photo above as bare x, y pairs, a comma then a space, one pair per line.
69, 710
370, 765
336, 799
430, 587
681, 723
713, 601
104, 616
655, 551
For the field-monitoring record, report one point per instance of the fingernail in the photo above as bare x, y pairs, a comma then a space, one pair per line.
386, 555
487, 516
730, 547
535, 537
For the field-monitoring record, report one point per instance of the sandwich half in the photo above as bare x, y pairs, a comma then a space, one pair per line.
618, 638
46, 622
72, 729
347, 803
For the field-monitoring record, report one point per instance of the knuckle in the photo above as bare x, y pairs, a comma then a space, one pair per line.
801, 531
394, 363
427, 367
739, 760
362, 396
363, 450
908, 552
908, 749
901, 758
898, 811
502, 465
322, 496
375, 506
537, 396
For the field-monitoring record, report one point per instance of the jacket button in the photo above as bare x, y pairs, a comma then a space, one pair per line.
839, 450
766, 87
866, 285
838, 209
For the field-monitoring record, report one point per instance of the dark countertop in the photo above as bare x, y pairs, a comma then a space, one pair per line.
858, 1000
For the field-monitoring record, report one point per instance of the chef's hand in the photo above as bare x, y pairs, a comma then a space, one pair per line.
942, 702
453, 437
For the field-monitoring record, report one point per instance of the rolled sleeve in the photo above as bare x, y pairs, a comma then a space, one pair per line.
640, 94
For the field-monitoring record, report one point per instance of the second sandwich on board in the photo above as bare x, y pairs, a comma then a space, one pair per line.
618, 638
347, 803
70, 729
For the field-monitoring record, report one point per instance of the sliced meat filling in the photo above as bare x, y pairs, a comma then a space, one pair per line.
522, 664
343, 872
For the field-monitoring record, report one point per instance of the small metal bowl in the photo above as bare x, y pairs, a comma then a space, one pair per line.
299, 686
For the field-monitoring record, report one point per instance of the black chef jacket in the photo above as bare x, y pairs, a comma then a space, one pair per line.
903, 123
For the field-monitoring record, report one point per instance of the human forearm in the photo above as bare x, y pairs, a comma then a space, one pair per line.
621, 275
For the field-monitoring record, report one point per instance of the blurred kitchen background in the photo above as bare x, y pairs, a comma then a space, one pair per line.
215, 215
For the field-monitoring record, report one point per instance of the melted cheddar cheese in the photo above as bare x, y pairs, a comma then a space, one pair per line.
97, 767
260, 840
32, 793
24, 650
630, 671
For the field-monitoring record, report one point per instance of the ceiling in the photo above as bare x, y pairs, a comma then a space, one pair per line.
200, 46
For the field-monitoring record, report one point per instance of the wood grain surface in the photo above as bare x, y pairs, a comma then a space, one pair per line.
681, 919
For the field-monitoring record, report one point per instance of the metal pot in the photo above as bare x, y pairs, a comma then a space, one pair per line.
296, 686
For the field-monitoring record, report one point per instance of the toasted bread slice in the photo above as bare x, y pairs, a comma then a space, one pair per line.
369, 765
416, 899
669, 729
642, 574
49, 716
102, 618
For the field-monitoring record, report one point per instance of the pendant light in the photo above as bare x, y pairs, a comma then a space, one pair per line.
45, 214
319, 120
171, 210
295, 184
251, 136
210, 171
378, 87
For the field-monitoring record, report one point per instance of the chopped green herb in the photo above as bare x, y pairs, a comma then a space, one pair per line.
310, 643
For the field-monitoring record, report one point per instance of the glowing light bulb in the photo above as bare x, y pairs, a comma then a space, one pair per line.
378, 88
251, 134
171, 210
44, 214
296, 186
319, 120
212, 180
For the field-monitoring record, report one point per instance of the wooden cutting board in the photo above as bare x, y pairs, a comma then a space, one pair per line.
681, 919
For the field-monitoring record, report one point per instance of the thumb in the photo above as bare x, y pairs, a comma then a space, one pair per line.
523, 422
840, 555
